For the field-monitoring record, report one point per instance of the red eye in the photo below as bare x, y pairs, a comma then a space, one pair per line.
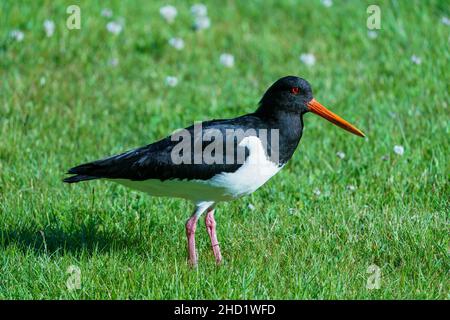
295, 90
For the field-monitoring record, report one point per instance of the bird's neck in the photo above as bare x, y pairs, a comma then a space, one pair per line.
290, 129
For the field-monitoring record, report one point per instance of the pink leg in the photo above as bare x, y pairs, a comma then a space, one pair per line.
191, 225
211, 228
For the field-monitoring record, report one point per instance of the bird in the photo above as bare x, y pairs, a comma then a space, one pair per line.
217, 160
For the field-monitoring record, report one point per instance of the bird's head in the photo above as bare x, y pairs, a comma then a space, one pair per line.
294, 95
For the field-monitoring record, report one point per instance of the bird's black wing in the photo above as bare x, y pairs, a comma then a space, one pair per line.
156, 161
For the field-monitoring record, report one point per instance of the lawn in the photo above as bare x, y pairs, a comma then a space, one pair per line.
317, 230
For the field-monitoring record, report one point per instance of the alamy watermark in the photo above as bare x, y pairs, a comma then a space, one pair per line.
74, 19
374, 279
74, 280
374, 19
227, 146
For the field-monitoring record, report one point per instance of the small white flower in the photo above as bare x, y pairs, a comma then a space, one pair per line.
392, 114
177, 43
201, 23
171, 81
168, 13
49, 27
308, 58
113, 62
114, 27
372, 34
415, 59
317, 192
106, 12
251, 207
227, 60
327, 3
42, 81
17, 35
399, 150
351, 188
446, 21
199, 10
414, 112
340, 154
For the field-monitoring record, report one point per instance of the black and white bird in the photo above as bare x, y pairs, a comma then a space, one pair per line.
217, 160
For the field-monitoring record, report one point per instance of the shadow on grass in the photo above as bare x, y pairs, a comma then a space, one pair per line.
88, 236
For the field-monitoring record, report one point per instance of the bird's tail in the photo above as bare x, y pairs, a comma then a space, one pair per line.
78, 178
110, 167
81, 173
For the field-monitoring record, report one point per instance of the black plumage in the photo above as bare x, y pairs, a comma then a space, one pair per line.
278, 109
154, 161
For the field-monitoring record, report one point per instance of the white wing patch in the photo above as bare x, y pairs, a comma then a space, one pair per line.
256, 170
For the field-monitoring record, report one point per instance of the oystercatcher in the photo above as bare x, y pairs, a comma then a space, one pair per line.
218, 160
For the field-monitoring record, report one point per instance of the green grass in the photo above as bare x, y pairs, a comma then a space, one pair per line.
294, 245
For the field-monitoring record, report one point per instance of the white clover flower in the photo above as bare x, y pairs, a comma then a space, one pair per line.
446, 21
113, 62
308, 58
372, 34
201, 23
171, 81
251, 207
199, 10
351, 188
317, 192
114, 27
340, 154
414, 112
106, 12
17, 35
327, 3
415, 59
227, 60
177, 43
49, 27
168, 13
399, 150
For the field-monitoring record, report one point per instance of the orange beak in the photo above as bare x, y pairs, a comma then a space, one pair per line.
317, 108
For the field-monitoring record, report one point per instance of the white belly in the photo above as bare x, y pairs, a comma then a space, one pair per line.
256, 170
194, 190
